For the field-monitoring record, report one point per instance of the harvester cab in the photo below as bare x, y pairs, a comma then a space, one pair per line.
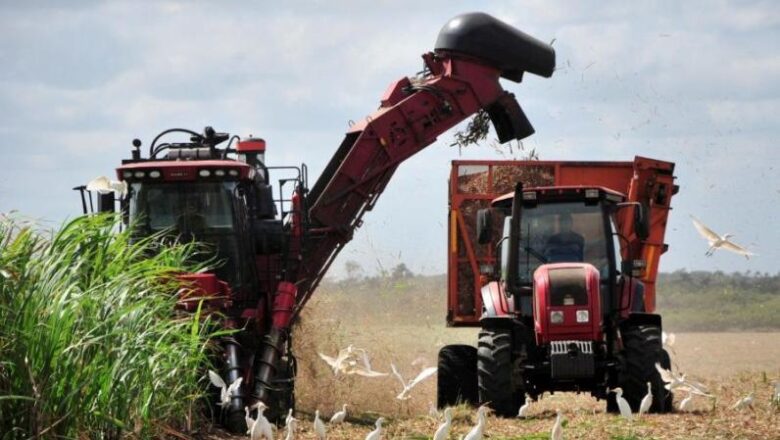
567, 298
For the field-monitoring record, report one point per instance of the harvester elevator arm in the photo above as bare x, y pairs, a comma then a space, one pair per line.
462, 77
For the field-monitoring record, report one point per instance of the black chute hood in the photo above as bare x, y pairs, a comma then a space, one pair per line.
498, 44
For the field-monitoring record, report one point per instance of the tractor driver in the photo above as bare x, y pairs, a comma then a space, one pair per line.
566, 245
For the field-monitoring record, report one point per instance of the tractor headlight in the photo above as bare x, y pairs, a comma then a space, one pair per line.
583, 316
233, 173
591, 194
139, 174
556, 317
155, 174
204, 173
219, 173
127, 174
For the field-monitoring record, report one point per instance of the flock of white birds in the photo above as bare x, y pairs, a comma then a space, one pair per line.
355, 361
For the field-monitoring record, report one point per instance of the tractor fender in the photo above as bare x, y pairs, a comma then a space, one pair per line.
495, 303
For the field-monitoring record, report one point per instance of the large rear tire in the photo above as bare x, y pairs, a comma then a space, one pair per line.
495, 372
457, 376
642, 349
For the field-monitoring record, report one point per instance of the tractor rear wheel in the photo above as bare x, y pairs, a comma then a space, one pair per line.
642, 349
457, 376
495, 371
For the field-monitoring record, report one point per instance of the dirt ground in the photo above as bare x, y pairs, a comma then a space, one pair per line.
730, 364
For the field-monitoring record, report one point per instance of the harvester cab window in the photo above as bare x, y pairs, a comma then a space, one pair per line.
194, 208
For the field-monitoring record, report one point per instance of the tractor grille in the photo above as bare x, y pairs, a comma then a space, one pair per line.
571, 359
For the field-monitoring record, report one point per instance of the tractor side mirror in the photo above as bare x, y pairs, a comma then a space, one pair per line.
484, 226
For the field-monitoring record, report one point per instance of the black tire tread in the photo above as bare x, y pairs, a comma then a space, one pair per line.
642, 349
494, 372
457, 376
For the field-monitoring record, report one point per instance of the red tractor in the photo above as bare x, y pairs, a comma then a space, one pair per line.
560, 276
274, 248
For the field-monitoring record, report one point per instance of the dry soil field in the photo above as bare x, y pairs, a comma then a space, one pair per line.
731, 364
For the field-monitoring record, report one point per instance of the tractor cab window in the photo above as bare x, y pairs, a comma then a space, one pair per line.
562, 233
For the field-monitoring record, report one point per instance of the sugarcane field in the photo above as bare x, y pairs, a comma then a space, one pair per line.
575, 239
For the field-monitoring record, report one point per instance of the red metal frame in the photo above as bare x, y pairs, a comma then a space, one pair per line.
640, 180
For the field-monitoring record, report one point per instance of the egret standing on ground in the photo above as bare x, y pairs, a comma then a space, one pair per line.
623, 406
376, 434
684, 403
444, 429
340, 415
477, 431
717, 241
647, 401
523, 412
319, 427
557, 430
262, 427
291, 423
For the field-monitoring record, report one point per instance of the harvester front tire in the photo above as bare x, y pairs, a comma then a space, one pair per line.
494, 372
457, 376
642, 348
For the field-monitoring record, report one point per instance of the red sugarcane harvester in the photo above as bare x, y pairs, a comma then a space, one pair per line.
275, 249
560, 277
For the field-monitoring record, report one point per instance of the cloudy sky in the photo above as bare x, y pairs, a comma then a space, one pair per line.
695, 83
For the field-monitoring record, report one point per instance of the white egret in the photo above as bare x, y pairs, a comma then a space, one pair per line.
376, 434
249, 420
319, 427
291, 424
557, 430
289, 416
744, 402
351, 360
685, 402
444, 429
407, 387
339, 416
647, 401
477, 431
717, 241
674, 382
225, 392
523, 412
262, 427
103, 185
623, 406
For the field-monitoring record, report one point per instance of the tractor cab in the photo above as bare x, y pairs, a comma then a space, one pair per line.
566, 253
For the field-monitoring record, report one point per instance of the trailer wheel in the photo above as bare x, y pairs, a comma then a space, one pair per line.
494, 372
457, 376
641, 350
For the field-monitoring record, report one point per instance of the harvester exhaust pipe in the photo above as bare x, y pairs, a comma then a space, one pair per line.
491, 41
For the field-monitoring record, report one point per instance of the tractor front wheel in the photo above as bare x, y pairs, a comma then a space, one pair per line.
495, 371
642, 349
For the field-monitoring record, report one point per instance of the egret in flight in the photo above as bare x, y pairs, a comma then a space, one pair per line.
716, 241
